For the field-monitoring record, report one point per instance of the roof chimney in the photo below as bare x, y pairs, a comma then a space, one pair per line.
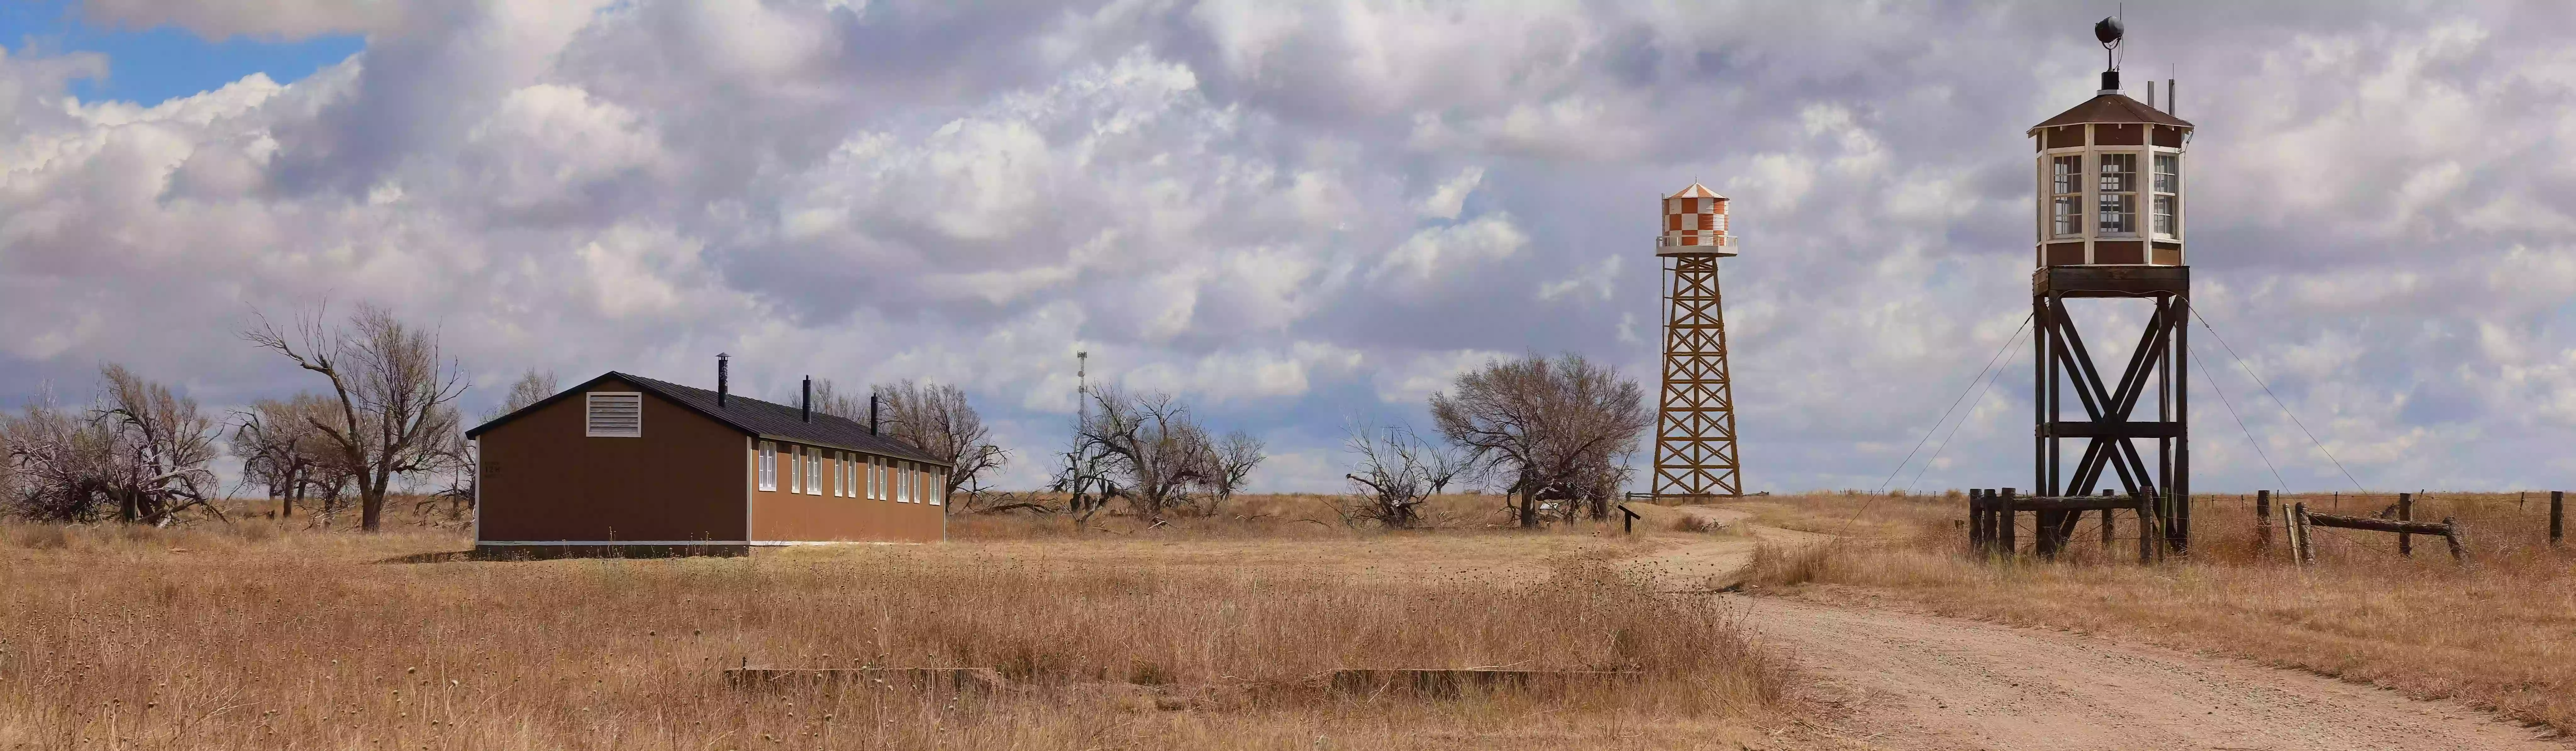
872, 412
724, 380
805, 407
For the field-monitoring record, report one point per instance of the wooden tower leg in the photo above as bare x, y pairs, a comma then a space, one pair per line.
1695, 450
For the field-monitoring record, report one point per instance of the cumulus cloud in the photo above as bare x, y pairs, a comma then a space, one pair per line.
1290, 213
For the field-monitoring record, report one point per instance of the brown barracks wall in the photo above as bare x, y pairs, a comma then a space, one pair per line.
682, 481
785, 516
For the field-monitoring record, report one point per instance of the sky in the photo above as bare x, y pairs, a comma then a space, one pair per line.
1299, 217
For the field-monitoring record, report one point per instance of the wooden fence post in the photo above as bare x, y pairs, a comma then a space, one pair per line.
2146, 528
2451, 533
2003, 523
2299, 521
2106, 528
1984, 503
2262, 520
2406, 513
2557, 514
2289, 533
1976, 521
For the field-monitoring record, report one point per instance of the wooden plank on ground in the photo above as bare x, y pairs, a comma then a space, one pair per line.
954, 680
1446, 683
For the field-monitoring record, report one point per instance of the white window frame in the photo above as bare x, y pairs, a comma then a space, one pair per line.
877, 478
2065, 207
840, 479
903, 482
768, 466
796, 469
937, 487
590, 407
814, 472
2165, 208
2104, 196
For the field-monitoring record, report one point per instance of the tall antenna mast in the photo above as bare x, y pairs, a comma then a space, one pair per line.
1082, 385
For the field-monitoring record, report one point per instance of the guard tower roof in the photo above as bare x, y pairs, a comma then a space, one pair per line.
2111, 108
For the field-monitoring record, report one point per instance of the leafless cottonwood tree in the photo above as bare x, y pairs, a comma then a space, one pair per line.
1396, 472
937, 419
533, 386
396, 397
1154, 444
1548, 430
1084, 476
282, 451
1231, 462
848, 405
140, 454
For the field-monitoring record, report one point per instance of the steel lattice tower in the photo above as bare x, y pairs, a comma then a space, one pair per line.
1695, 450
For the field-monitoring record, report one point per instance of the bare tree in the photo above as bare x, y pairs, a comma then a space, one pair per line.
1396, 472
937, 419
848, 405
62, 465
164, 444
140, 454
396, 396
282, 450
1151, 442
1230, 465
1085, 478
532, 387
1553, 432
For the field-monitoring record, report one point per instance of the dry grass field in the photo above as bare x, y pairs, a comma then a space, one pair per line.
2498, 633
1204, 634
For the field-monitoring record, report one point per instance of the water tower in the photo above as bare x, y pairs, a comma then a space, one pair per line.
1695, 455
2109, 224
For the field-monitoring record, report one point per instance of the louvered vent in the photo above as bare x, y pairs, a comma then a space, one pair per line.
616, 414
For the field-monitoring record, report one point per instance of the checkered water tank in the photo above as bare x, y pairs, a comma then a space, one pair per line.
1695, 224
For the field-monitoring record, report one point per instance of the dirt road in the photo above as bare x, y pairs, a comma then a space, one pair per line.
1897, 680
1905, 681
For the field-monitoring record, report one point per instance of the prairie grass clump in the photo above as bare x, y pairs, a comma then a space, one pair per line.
1776, 564
1695, 523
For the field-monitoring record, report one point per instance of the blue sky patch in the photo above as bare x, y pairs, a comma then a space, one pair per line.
152, 65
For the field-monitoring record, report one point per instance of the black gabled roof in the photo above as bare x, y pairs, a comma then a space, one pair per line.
751, 416
2112, 108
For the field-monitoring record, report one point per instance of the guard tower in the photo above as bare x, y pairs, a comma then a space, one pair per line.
1695, 455
2110, 200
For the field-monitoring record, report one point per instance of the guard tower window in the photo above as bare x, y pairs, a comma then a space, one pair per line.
2116, 196
2168, 184
2065, 188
